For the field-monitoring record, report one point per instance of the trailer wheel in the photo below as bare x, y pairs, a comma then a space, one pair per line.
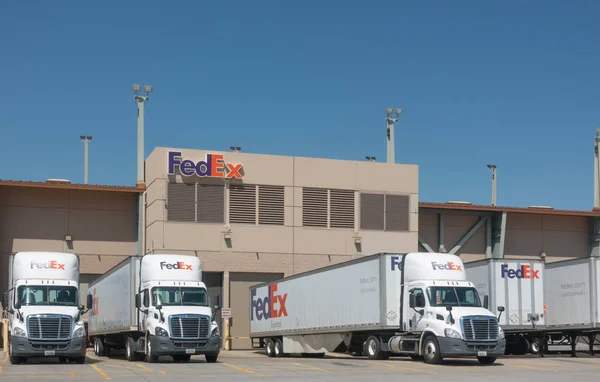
431, 350
270, 347
278, 349
99, 347
373, 349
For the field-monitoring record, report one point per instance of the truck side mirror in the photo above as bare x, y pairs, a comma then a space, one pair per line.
412, 301
138, 301
159, 302
17, 305
4, 300
449, 308
89, 302
486, 300
217, 303
500, 309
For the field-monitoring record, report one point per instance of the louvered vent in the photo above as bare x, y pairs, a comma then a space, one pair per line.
271, 205
181, 202
341, 208
242, 204
372, 211
314, 207
396, 212
211, 204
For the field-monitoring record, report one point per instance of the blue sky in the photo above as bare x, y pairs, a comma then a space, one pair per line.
507, 82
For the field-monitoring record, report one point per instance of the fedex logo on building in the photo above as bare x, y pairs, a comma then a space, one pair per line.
52, 264
449, 266
212, 166
264, 308
178, 265
524, 272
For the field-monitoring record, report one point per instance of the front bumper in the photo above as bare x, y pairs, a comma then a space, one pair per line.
454, 347
25, 347
167, 346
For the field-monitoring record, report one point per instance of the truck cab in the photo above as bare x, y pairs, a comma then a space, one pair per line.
44, 315
175, 311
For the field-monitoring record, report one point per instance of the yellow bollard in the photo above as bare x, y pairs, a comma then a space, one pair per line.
5, 335
227, 343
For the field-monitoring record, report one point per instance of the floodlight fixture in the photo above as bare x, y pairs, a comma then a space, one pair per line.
399, 111
136, 87
389, 110
148, 88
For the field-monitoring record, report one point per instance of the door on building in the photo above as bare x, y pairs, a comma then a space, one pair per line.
239, 297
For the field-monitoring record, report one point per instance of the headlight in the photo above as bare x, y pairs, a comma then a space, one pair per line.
18, 332
500, 333
215, 332
452, 333
80, 332
161, 332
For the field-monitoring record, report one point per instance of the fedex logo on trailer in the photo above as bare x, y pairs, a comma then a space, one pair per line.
178, 265
264, 308
53, 264
449, 266
396, 263
212, 166
524, 272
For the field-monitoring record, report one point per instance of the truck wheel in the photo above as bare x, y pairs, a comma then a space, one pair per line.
99, 347
270, 347
373, 349
150, 356
211, 358
131, 349
278, 348
486, 360
431, 350
79, 360
14, 360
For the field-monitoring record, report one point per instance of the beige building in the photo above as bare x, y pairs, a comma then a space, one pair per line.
253, 218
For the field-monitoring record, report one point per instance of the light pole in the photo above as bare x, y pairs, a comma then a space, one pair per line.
141, 244
492, 167
597, 169
141, 99
389, 120
86, 139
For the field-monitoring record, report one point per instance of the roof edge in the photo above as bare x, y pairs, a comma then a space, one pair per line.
526, 210
70, 186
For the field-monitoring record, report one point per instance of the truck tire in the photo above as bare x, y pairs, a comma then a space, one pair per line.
211, 358
99, 347
431, 350
270, 347
373, 349
14, 360
278, 348
79, 360
131, 349
150, 356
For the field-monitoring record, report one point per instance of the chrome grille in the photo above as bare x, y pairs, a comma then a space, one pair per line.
189, 326
49, 327
480, 328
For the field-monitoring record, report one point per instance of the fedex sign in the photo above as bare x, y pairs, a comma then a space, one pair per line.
449, 266
178, 265
523, 272
213, 166
53, 264
264, 308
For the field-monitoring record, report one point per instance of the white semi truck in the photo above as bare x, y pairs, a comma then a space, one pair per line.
42, 302
416, 304
153, 305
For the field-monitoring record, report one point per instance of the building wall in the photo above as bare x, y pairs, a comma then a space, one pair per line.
102, 225
527, 235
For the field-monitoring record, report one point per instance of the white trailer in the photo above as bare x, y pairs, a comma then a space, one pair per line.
44, 315
417, 304
153, 305
572, 302
518, 286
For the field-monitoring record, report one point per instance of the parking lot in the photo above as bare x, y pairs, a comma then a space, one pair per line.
252, 366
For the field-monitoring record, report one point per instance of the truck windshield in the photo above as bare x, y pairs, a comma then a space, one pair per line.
47, 295
453, 296
180, 296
